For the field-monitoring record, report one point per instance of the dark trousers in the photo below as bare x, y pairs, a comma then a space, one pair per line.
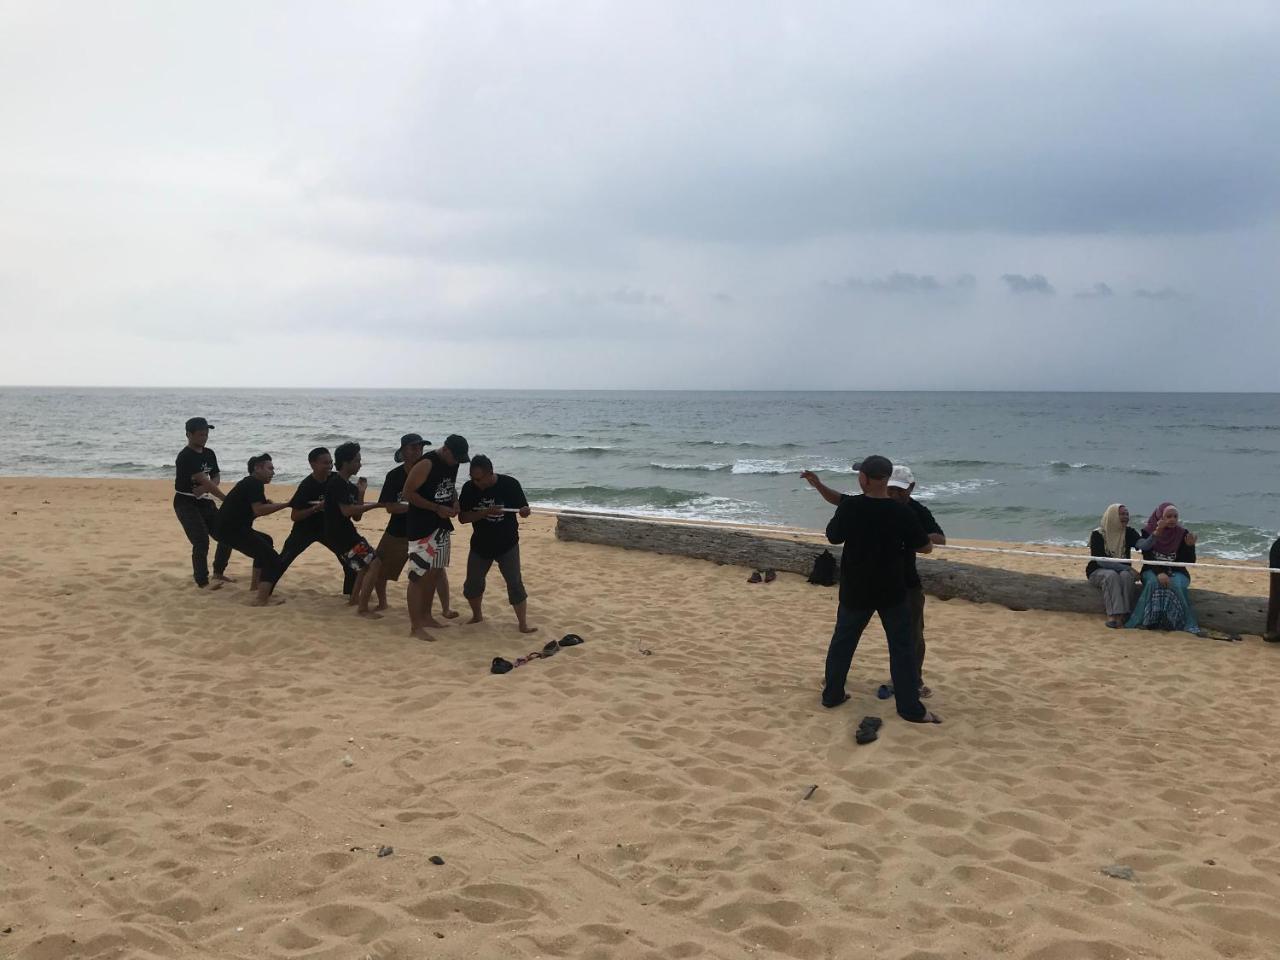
296, 544
915, 601
261, 548
903, 665
197, 518
509, 566
1272, 632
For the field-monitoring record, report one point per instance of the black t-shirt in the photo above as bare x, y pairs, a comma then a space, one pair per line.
929, 525
236, 515
439, 487
875, 533
391, 489
304, 498
493, 536
340, 533
190, 462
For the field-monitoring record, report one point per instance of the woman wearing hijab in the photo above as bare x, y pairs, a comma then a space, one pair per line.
1111, 542
1165, 604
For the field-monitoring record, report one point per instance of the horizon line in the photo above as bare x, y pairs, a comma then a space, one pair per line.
348, 389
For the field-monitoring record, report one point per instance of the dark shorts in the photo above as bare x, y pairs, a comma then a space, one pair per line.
393, 551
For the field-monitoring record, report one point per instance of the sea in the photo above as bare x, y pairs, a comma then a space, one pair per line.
1026, 467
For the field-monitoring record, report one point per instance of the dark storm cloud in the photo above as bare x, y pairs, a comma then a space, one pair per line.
1036, 283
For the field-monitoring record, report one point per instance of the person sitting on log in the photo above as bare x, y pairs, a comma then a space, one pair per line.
1164, 603
1113, 540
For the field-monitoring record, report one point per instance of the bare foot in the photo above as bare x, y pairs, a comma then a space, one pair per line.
419, 633
352, 601
368, 615
476, 618
214, 585
223, 578
525, 628
382, 605
436, 624
450, 614
269, 602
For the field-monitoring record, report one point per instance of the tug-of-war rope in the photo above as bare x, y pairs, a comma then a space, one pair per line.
817, 534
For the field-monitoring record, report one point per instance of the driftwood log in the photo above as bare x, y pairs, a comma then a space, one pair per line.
944, 579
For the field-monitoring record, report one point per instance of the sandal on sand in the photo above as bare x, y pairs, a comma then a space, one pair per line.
755, 577
1113, 626
570, 640
500, 665
770, 575
884, 692
868, 730
927, 718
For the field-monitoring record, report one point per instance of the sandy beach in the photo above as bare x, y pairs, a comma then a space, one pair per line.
186, 776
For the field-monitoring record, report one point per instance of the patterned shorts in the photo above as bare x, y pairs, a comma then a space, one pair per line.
429, 553
359, 557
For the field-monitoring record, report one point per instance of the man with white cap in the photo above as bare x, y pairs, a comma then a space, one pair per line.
902, 483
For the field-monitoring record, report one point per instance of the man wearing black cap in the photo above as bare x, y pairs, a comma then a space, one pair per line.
875, 531
432, 491
393, 548
195, 490
245, 503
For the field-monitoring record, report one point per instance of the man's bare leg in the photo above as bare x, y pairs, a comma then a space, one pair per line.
382, 591
223, 578
264, 598
522, 617
415, 594
476, 603
365, 583
443, 589
256, 579
432, 580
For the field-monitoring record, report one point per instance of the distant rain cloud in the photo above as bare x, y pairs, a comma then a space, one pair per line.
1099, 291
1164, 293
1036, 283
901, 282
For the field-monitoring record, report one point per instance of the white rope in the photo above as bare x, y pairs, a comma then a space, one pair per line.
801, 532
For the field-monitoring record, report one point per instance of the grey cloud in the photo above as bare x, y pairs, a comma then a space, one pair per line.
1099, 291
1164, 293
910, 283
1036, 283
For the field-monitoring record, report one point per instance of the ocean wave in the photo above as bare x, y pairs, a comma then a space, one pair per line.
1062, 466
742, 444
653, 501
791, 465
967, 464
584, 451
951, 488
700, 467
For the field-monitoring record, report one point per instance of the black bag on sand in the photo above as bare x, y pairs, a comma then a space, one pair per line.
824, 569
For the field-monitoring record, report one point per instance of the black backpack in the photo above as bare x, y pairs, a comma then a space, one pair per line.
824, 569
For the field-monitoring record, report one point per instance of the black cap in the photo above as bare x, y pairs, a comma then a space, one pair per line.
875, 467
198, 423
407, 439
458, 447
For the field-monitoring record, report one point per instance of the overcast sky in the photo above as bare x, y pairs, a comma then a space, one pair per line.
702, 194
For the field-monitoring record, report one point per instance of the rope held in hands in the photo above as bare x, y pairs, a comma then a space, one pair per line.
801, 532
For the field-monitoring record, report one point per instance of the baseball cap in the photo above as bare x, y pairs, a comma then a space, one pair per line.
198, 423
902, 477
407, 439
458, 447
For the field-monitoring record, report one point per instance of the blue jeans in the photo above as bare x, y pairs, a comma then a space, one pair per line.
850, 622
1178, 581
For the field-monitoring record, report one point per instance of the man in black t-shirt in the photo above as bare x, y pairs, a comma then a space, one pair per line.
393, 548
307, 514
1271, 632
902, 483
432, 491
490, 502
343, 505
245, 503
875, 532
195, 499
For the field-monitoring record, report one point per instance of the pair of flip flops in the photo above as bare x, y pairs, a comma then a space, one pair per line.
502, 665
868, 730
768, 575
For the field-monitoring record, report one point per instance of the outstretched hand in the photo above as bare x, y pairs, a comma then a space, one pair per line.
1190, 539
810, 477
